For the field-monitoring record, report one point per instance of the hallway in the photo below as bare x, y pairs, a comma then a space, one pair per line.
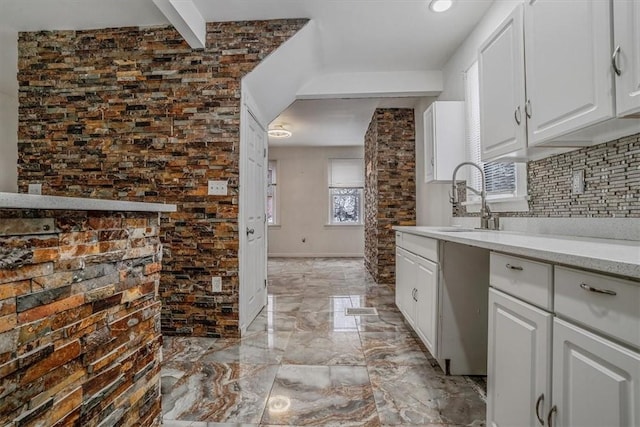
305, 362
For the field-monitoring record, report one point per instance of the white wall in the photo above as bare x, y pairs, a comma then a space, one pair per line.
432, 200
8, 110
303, 199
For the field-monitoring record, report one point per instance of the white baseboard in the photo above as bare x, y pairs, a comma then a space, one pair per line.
314, 255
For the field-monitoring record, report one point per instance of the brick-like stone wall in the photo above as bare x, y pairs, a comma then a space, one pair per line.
612, 183
390, 187
136, 114
80, 340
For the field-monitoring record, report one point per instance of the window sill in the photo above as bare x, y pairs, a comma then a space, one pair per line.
274, 226
507, 204
343, 225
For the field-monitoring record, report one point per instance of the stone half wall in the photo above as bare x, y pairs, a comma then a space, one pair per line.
612, 183
390, 187
135, 114
80, 340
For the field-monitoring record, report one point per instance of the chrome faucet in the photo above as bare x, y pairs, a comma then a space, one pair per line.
487, 220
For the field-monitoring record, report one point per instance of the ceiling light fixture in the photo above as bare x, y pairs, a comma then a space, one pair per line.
279, 132
440, 5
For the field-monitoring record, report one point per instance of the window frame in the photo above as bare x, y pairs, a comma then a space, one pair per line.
331, 187
518, 201
273, 183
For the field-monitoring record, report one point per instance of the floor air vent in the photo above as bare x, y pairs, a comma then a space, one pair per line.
361, 311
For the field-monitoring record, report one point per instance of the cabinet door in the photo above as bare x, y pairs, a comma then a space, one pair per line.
429, 147
595, 381
405, 283
626, 26
519, 362
502, 89
568, 66
427, 303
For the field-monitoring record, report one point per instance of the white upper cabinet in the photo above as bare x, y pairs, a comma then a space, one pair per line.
626, 57
444, 139
548, 82
502, 92
568, 67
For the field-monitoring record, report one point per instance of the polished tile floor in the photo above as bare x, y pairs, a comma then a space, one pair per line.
304, 362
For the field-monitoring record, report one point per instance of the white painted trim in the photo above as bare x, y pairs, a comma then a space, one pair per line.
314, 255
185, 17
369, 84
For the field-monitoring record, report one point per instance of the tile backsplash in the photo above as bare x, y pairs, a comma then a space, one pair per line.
612, 183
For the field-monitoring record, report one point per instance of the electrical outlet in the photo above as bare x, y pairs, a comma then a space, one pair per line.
577, 182
35, 188
217, 188
216, 284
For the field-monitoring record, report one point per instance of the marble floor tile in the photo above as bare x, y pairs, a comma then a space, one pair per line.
185, 348
220, 392
265, 347
269, 321
395, 348
325, 303
321, 395
419, 395
318, 348
303, 361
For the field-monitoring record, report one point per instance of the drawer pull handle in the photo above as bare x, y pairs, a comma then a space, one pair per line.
514, 267
538, 402
596, 290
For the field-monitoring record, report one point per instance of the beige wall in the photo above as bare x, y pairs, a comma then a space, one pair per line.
303, 199
8, 110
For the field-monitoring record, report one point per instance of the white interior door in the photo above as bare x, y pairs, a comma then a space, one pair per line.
253, 248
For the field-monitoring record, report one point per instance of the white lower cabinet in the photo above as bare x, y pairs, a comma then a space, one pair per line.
543, 370
441, 289
596, 382
417, 294
519, 362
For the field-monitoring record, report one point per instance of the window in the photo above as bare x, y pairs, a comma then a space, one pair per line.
346, 181
505, 181
271, 193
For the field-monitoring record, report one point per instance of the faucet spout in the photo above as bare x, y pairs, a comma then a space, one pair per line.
486, 218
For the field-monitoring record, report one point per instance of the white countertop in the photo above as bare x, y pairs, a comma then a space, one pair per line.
32, 201
621, 257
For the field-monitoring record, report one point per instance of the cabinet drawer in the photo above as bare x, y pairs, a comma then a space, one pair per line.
589, 298
419, 245
525, 279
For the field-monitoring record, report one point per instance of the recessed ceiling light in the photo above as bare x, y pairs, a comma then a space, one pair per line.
440, 5
279, 132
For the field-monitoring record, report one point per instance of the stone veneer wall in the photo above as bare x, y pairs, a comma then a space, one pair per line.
136, 114
80, 340
612, 181
390, 187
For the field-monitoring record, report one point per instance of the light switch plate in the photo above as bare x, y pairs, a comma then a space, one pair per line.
216, 284
217, 188
577, 182
35, 188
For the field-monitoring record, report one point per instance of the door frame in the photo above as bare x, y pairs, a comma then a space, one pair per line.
247, 107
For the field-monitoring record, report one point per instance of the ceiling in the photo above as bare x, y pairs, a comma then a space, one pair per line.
355, 35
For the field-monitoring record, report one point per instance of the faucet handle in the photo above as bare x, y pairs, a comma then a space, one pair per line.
452, 199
